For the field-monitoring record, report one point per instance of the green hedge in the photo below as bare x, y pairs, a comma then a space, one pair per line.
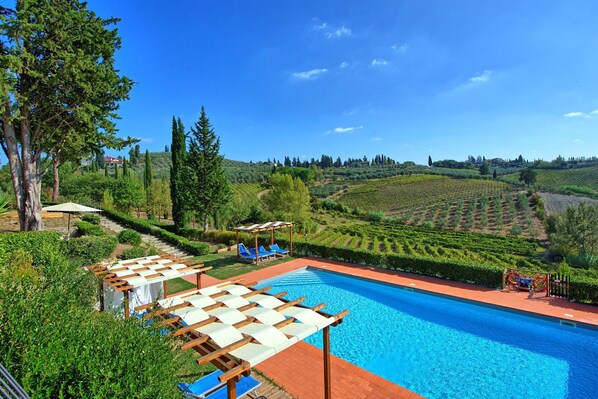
91, 249
143, 226
91, 218
584, 289
44, 246
89, 229
133, 253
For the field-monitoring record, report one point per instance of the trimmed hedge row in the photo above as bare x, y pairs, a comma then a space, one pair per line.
582, 289
89, 229
195, 248
216, 236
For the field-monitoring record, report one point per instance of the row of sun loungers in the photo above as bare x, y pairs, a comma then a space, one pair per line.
262, 254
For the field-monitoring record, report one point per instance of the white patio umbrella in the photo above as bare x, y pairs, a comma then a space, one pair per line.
70, 207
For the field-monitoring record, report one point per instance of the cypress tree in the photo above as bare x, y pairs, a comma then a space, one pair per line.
148, 174
115, 171
125, 168
178, 187
106, 170
209, 184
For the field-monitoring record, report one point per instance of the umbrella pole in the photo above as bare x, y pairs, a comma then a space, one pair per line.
68, 226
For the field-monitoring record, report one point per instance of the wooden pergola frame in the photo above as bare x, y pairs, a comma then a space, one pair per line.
107, 275
255, 229
233, 369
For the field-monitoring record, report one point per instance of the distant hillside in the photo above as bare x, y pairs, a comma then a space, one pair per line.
568, 181
393, 194
237, 171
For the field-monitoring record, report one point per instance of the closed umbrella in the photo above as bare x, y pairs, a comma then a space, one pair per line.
70, 207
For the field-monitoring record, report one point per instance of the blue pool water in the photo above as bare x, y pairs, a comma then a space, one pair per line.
444, 348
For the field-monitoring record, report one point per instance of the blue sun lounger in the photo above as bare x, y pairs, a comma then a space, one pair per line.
210, 387
245, 254
279, 251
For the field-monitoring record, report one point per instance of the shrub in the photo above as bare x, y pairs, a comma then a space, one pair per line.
128, 236
74, 355
134, 252
91, 249
515, 230
375, 216
45, 247
428, 224
89, 229
195, 248
584, 289
91, 218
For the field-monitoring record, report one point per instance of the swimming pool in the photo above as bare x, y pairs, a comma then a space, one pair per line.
445, 348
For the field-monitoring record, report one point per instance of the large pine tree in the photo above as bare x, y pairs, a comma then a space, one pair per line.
209, 185
178, 185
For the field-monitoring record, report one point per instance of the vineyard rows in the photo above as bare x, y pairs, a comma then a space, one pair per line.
502, 213
502, 251
406, 192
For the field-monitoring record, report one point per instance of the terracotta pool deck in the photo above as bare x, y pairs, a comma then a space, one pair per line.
299, 369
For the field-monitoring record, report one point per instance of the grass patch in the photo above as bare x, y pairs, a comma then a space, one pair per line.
177, 285
226, 265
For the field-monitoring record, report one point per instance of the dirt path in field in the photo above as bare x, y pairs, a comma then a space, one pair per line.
558, 203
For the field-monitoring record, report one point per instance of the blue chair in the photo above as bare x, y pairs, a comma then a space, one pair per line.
245, 254
264, 252
210, 387
260, 255
279, 251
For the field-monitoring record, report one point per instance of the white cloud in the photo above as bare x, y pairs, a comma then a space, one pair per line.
594, 112
336, 33
400, 48
376, 139
332, 32
379, 62
146, 139
575, 115
576, 140
481, 78
343, 65
342, 130
305, 75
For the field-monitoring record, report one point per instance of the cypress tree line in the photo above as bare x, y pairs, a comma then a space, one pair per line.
178, 186
147, 174
208, 183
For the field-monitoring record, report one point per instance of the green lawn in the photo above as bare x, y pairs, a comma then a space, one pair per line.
224, 266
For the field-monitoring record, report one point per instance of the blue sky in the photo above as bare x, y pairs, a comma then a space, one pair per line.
404, 78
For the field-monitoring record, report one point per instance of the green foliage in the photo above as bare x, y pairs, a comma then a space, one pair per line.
528, 176
515, 230
91, 249
208, 184
58, 76
45, 247
375, 216
554, 179
584, 289
91, 218
577, 231
307, 175
134, 252
148, 175
3, 203
178, 188
128, 236
288, 199
127, 193
89, 229
143, 226
56, 347
569, 188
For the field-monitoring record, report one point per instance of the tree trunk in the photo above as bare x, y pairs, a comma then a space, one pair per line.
55, 163
206, 222
25, 173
